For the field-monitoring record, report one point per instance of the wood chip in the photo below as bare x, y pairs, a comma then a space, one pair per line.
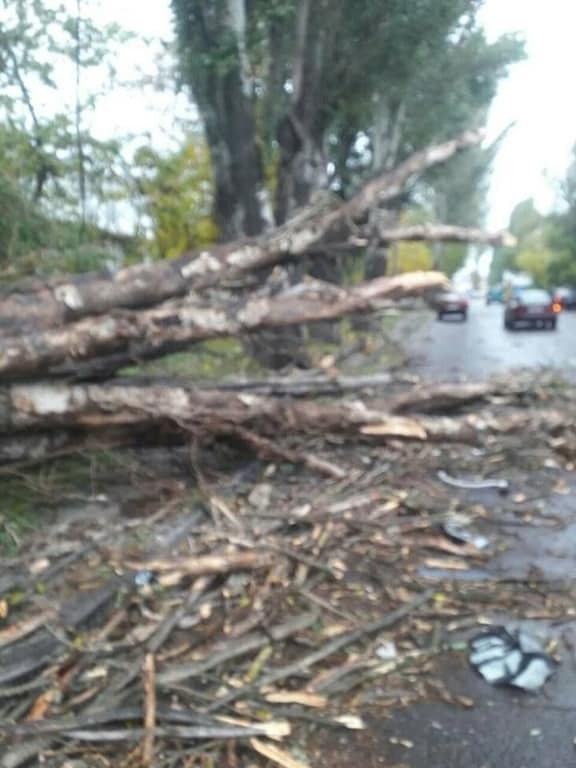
277, 755
447, 564
296, 697
395, 426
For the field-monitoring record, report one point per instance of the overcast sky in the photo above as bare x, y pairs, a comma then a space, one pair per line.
538, 96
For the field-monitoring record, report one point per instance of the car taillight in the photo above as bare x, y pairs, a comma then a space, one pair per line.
556, 307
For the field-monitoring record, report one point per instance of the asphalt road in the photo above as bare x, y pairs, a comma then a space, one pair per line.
451, 349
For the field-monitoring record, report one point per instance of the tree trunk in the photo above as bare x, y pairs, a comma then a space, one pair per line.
387, 134
99, 346
72, 410
212, 39
302, 167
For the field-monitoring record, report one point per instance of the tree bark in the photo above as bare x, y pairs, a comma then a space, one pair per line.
54, 302
212, 38
125, 337
444, 233
80, 408
302, 167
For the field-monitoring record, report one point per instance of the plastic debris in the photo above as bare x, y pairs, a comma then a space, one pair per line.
457, 531
387, 651
474, 484
143, 579
510, 657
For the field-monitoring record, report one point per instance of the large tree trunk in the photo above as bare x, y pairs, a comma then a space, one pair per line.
212, 38
132, 409
387, 133
99, 346
302, 164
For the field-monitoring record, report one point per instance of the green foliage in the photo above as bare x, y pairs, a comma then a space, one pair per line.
561, 233
451, 257
546, 245
22, 228
177, 195
410, 257
536, 262
50, 163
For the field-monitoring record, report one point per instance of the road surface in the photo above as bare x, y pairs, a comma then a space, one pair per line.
480, 347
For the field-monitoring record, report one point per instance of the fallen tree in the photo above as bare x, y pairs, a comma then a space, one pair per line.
119, 413
87, 328
117, 339
51, 303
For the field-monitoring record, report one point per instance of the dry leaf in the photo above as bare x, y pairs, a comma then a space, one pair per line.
41, 704
279, 756
332, 630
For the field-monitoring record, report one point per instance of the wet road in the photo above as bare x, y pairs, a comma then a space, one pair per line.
481, 346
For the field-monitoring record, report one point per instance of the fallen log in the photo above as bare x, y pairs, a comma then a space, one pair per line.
444, 233
52, 303
109, 342
168, 410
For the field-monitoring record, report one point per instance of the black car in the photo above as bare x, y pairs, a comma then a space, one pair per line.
452, 304
532, 307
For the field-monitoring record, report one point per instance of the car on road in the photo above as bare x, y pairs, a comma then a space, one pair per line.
494, 295
452, 303
566, 297
531, 307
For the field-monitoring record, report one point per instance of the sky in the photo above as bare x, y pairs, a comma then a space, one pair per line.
538, 98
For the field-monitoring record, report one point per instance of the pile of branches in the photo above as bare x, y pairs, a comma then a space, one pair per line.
213, 626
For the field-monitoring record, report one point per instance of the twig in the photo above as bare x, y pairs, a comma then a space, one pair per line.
333, 646
207, 564
232, 650
149, 711
317, 600
270, 450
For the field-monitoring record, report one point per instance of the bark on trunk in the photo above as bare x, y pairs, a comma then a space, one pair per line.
124, 337
213, 49
302, 167
77, 409
54, 302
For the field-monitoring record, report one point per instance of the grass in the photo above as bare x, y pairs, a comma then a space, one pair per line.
209, 360
29, 499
